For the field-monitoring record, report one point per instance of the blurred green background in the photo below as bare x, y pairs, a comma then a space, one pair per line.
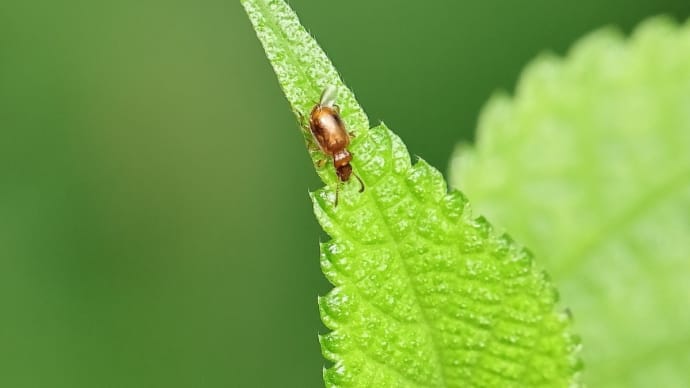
155, 229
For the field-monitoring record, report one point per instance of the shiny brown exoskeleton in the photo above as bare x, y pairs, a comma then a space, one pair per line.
332, 137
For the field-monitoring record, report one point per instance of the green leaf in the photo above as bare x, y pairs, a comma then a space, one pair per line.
589, 164
426, 294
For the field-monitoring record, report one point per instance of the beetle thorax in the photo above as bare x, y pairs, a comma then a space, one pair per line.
342, 158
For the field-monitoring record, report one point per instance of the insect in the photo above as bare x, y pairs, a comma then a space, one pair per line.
331, 136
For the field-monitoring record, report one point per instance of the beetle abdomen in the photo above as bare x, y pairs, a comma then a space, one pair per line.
328, 130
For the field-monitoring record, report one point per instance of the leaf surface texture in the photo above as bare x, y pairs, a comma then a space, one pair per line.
426, 294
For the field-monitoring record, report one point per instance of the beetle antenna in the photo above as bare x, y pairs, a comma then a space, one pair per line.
361, 184
337, 190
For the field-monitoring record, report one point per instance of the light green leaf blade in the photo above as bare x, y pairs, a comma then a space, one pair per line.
426, 294
302, 68
589, 164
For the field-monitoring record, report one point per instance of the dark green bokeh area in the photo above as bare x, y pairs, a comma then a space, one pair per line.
155, 228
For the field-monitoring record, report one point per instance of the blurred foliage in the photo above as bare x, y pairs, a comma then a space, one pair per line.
146, 154
588, 165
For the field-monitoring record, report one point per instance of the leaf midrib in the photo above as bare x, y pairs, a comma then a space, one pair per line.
626, 218
426, 325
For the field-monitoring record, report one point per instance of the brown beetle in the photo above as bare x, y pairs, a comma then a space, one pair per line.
332, 137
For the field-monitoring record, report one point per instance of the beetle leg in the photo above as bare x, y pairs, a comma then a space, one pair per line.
311, 146
302, 124
319, 163
307, 132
